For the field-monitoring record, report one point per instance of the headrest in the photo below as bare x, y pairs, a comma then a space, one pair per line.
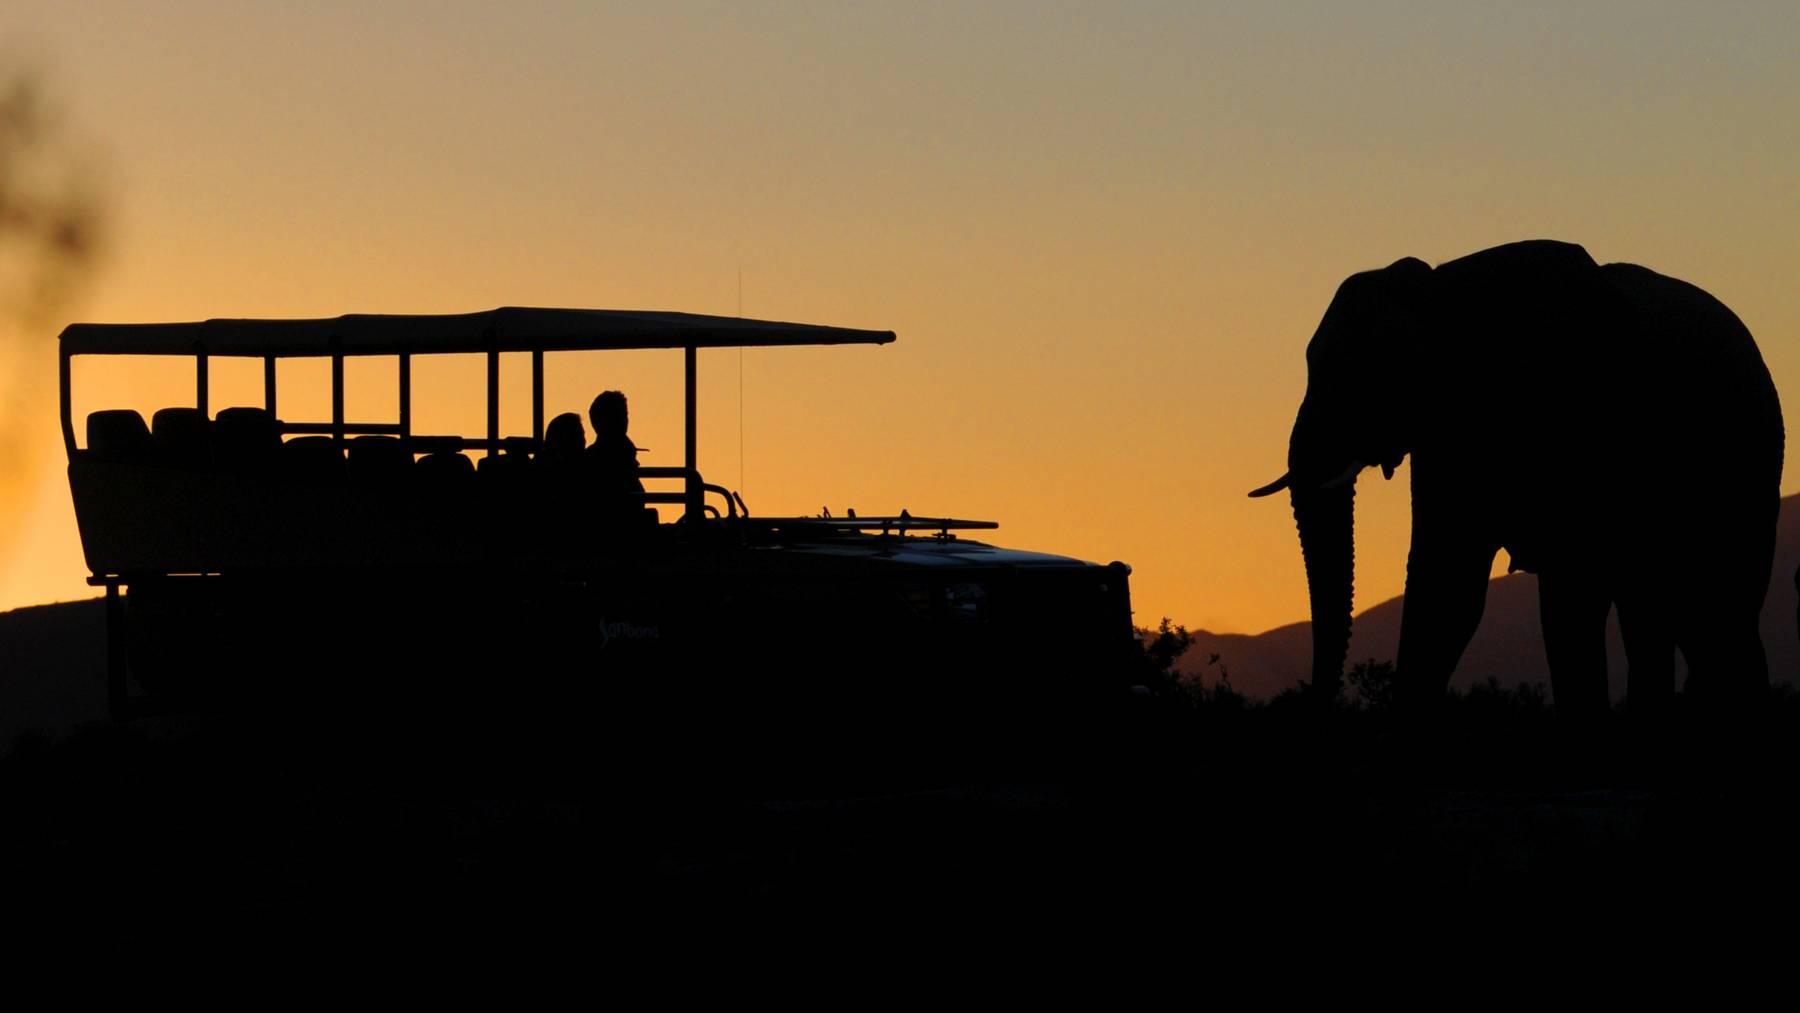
118, 434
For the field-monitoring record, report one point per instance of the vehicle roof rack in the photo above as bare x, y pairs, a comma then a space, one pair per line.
507, 329
885, 525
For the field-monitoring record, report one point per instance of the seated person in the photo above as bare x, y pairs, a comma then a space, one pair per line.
612, 459
563, 442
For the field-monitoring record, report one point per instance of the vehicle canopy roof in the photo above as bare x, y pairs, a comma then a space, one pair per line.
507, 329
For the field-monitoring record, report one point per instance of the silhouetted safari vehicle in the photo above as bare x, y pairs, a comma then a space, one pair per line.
346, 563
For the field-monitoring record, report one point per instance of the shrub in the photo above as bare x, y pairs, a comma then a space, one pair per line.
1372, 685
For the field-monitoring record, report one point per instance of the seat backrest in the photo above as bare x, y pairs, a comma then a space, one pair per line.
312, 459
118, 434
445, 469
504, 469
378, 459
246, 439
181, 437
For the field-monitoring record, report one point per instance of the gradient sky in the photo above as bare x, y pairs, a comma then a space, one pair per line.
1103, 232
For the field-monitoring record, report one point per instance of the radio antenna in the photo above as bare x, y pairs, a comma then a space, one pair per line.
740, 313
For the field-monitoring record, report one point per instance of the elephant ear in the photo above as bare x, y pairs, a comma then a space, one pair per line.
1369, 339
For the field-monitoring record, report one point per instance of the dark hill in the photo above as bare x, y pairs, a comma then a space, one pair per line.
52, 669
1509, 646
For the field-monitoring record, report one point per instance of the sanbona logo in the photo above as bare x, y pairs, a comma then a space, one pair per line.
626, 630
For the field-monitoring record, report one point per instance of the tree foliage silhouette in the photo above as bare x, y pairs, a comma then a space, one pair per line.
50, 229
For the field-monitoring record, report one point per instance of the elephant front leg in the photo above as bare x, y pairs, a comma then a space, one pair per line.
1574, 606
1446, 591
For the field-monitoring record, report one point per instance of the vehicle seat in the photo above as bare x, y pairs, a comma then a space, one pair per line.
505, 470
313, 459
246, 439
118, 434
379, 460
181, 438
446, 469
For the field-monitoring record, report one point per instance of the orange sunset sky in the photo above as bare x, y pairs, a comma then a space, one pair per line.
1103, 232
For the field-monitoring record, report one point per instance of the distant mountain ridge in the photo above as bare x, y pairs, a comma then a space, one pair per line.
1509, 646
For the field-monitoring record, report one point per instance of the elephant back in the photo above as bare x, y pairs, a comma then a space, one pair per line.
1699, 372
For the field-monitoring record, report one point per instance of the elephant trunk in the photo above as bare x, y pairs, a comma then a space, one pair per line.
1325, 518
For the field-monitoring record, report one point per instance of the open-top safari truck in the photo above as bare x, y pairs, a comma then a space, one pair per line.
340, 563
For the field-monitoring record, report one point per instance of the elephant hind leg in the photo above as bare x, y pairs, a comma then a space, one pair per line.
1649, 635
1728, 672
1726, 696
1650, 659
1574, 607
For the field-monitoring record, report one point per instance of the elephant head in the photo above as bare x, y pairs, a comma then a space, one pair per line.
1362, 370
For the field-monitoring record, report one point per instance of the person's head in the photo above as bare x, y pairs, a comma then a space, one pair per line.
608, 414
564, 434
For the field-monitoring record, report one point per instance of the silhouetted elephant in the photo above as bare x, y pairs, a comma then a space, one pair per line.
1614, 430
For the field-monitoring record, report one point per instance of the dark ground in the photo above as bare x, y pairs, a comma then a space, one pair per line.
1191, 809
1235, 817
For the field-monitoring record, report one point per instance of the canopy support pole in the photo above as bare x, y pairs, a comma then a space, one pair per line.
537, 395
493, 394
68, 419
200, 383
269, 385
337, 398
405, 394
694, 491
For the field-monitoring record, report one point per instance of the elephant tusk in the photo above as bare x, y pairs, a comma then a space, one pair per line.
1273, 487
1347, 477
